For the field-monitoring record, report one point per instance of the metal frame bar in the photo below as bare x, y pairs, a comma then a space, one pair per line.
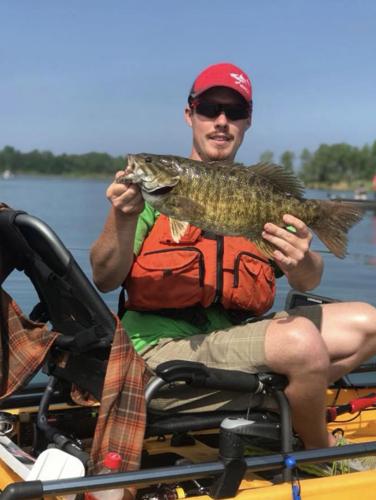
143, 478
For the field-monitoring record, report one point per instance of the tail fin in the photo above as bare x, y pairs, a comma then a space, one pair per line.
335, 220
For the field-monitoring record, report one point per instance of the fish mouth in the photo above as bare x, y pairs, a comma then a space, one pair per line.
156, 195
159, 191
153, 180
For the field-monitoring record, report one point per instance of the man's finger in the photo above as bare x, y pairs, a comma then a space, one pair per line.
293, 222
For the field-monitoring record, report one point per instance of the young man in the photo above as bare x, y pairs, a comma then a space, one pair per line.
312, 346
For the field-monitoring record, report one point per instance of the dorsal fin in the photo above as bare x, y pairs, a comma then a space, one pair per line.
281, 178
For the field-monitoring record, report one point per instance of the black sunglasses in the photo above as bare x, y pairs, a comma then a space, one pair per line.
213, 109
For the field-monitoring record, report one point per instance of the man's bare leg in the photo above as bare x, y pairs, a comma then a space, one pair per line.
311, 359
295, 348
349, 332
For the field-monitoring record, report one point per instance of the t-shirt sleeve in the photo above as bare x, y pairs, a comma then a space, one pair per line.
145, 222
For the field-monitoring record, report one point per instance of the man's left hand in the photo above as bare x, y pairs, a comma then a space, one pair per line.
291, 247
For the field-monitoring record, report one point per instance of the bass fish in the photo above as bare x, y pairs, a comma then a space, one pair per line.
232, 199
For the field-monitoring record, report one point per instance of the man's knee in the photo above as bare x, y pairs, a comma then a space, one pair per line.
296, 346
364, 315
359, 320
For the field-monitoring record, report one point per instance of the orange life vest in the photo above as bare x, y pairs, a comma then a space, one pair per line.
200, 269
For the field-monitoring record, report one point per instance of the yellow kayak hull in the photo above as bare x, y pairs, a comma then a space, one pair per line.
359, 428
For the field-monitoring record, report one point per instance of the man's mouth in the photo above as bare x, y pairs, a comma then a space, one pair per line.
220, 137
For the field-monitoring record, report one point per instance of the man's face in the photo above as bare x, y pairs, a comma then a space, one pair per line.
220, 137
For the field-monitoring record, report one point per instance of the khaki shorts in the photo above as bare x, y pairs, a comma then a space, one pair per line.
240, 347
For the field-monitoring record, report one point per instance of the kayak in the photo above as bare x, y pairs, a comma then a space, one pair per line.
254, 455
196, 465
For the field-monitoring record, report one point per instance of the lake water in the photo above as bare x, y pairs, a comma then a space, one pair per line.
75, 209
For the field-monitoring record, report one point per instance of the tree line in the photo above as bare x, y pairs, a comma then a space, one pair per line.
46, 163
329, 164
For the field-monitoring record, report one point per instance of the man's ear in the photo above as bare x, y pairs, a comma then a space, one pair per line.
249, 122
188, 115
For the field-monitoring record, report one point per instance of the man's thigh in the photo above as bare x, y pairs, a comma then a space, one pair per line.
236, 348
240, 347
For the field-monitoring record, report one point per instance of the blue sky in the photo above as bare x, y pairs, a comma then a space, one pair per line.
113, 76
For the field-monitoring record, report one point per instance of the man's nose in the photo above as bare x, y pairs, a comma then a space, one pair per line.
221, 119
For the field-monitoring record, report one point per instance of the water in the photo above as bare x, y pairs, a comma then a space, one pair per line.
76, 209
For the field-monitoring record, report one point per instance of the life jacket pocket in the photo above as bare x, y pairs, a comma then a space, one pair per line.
173, 276
251, 284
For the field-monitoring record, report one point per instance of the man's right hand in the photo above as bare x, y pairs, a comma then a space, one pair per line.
126, 198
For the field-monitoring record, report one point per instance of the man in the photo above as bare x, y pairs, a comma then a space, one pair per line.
312, 346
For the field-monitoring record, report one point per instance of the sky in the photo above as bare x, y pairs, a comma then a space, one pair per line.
113, 76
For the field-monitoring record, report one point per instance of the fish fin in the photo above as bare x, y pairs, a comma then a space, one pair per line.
280, 178
177, 228
265, 247
336, 218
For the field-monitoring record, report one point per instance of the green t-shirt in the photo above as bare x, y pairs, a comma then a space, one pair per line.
146, 328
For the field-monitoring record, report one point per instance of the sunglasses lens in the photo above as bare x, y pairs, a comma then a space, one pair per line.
207, 109
212, 110
236, 112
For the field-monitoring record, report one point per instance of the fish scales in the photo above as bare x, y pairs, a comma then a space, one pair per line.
232, 199
219, 192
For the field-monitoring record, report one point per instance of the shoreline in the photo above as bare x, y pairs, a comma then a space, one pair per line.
341, 186
337, 186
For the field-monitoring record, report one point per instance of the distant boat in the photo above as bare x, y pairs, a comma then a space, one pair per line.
7, 174
363, 203
360, 193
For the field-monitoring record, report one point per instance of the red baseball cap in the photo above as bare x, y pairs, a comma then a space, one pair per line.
223, 75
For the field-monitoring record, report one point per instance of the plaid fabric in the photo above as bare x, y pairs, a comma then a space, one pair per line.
122, 416
24, 345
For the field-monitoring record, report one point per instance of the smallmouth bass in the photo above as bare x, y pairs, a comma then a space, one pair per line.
235, 200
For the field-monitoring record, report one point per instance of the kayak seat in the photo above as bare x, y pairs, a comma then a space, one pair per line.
67, 299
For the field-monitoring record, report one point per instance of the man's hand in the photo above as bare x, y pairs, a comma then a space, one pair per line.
302, 267
291, 247
126, 198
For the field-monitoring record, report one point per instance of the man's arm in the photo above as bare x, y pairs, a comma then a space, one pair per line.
111, 255
302, 267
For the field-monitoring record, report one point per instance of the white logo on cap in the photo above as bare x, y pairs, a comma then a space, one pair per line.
241, 80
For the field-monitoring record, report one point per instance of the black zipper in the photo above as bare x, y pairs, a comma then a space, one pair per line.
219, 283
201, 263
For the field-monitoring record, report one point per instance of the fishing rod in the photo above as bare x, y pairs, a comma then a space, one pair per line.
353, 406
